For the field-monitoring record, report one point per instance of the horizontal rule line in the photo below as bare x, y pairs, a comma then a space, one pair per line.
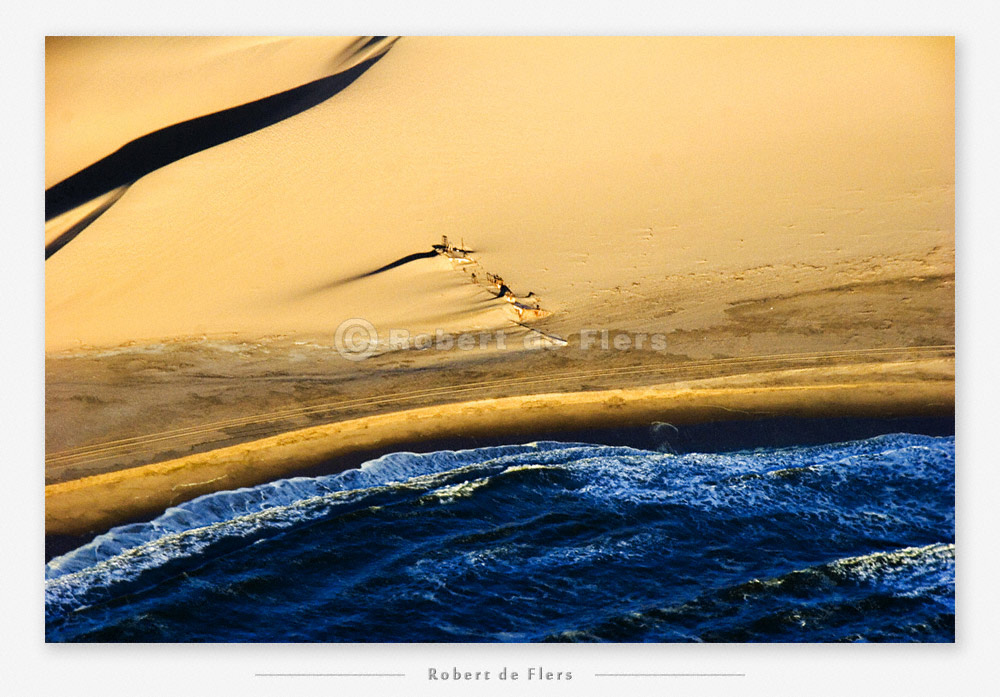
330, 675
670, 675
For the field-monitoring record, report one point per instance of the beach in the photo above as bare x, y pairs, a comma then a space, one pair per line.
919, 387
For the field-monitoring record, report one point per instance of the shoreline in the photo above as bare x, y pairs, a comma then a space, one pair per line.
93, 504
186, 400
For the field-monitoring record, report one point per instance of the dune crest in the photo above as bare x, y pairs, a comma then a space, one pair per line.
103, 91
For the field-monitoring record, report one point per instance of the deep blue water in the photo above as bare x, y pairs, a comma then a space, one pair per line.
546, 541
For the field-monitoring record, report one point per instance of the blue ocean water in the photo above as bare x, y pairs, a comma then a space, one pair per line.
547, 541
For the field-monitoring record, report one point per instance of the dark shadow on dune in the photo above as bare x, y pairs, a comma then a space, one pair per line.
435, 250
399, 262
65, 238
391, 265
154, 150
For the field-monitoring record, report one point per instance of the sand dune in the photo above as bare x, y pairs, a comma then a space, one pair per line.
76, 201
637, 183
103, 91
171, 143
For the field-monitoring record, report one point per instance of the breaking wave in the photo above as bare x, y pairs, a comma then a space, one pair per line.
542, 542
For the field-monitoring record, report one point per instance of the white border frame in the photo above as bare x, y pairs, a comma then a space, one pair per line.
32, 667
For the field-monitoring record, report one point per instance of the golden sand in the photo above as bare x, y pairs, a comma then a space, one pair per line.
637, 183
